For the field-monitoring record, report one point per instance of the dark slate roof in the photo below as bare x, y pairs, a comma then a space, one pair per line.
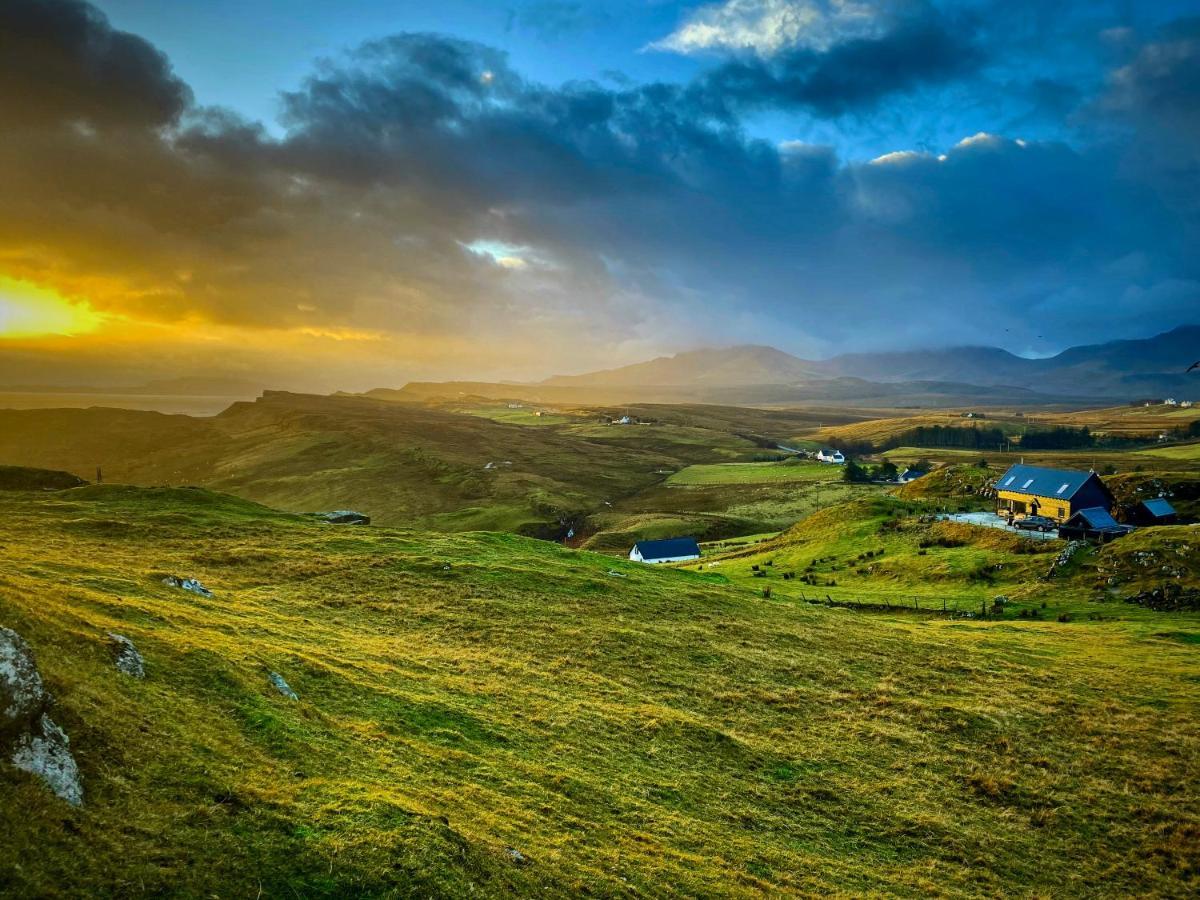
1096, 517
669, 548
1160, 507
1060, 484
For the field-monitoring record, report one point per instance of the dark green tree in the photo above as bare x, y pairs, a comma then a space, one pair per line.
853, 472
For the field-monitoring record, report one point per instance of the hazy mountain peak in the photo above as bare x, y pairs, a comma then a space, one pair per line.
739, 365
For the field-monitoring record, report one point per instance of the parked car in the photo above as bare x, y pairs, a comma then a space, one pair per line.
1035, 523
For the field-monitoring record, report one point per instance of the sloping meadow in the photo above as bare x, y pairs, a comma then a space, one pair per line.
490, 714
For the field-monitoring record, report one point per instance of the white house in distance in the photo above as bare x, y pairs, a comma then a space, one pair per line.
826, 455
668, 551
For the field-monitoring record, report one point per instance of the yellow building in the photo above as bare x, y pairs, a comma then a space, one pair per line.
1054, 493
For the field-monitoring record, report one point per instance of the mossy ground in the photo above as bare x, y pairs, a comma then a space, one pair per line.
667, 732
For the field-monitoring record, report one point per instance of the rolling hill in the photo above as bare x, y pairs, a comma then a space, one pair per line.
401, 463
487, 715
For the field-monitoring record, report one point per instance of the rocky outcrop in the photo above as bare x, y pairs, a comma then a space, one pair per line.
344, 517
1168, 598
1065, 556
29, 738
128, 660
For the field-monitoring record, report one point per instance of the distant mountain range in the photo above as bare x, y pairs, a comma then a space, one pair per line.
735, 366
1115, 371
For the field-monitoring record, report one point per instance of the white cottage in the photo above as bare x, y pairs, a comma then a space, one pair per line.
668, 551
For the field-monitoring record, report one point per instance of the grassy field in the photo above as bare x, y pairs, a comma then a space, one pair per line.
721, 501
523, 416
1101, 460
877, 431
1189, 452
1122, 420
754, 473
666, 732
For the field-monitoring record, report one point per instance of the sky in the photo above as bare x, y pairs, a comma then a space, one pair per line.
323, 195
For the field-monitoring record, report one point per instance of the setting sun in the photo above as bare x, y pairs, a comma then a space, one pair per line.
30, 311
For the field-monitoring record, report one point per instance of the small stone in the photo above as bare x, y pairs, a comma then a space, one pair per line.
517, 856
129, 660
283, 687
187, 584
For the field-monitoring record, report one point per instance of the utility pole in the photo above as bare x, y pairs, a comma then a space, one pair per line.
99, 476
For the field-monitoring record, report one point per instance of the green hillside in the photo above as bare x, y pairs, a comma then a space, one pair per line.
400, 463
462, 465
487, 714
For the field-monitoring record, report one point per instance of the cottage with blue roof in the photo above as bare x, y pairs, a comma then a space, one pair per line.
668, 551
1054, 493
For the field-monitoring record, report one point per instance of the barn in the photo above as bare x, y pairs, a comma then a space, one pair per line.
1054, 493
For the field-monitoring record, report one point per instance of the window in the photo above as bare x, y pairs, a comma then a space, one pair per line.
1063, 488
1026, 485
1011, 479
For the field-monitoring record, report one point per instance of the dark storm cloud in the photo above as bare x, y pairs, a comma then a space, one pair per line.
61, 60
851, 75
1161, 84
618, 212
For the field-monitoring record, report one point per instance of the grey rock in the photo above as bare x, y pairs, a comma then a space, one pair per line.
283, 687
187, 584
23, 697
129, 660
517, 856
45, 752
29, 738
345, 517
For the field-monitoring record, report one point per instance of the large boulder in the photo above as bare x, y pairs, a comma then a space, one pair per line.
23, 697
44, 751
29, 738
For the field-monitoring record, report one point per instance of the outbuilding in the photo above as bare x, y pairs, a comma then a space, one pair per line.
1093, 524
831, 456
1154, 512
667, 551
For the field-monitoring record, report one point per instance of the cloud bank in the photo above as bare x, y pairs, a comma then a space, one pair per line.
633, 219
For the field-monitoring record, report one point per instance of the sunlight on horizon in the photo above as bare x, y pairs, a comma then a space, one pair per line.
28, 311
